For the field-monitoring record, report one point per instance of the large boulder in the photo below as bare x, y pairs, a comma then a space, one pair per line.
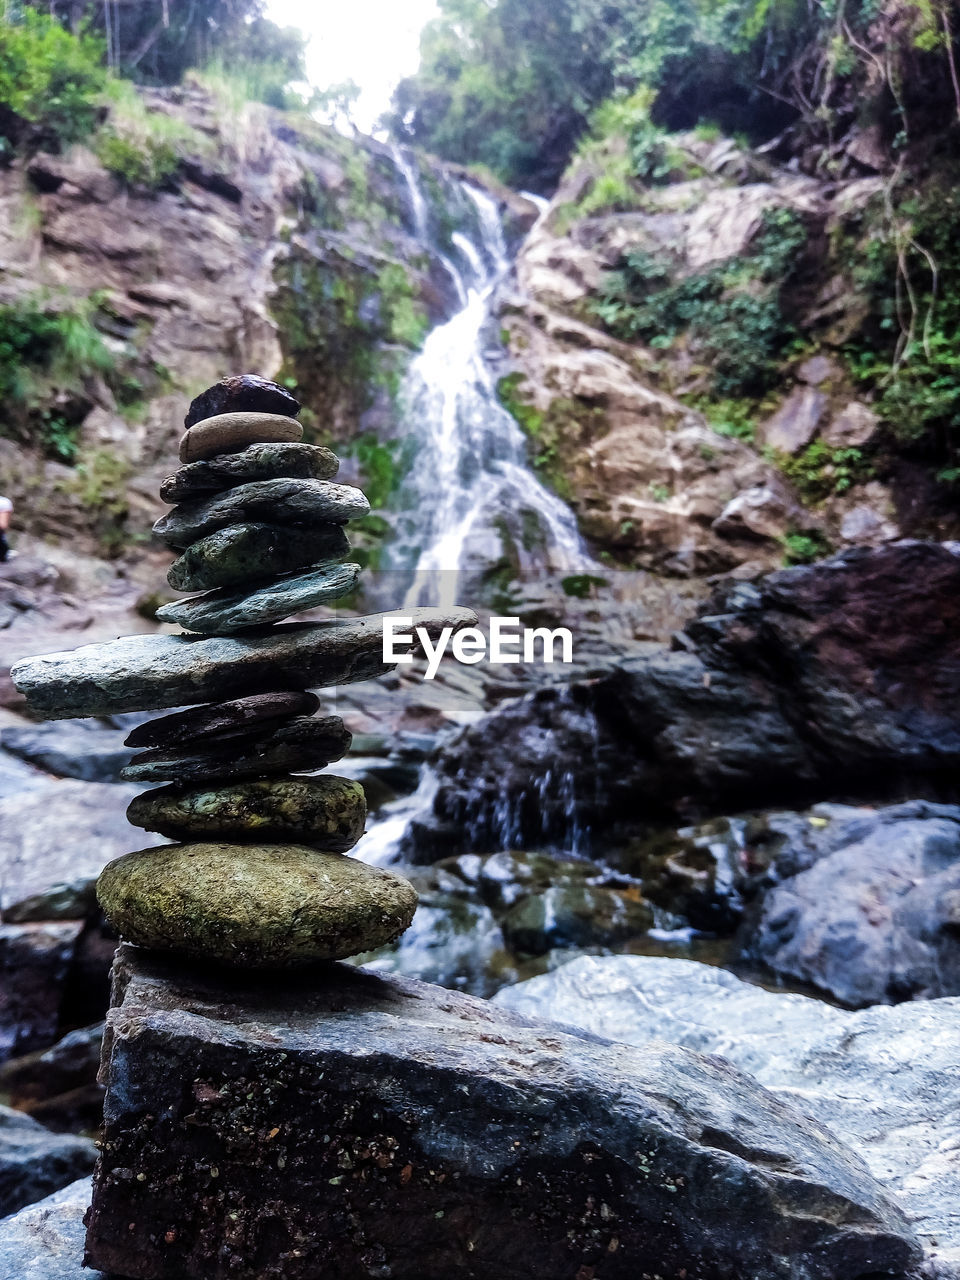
838, 678
876, 918
34, 1161
885, 1080
45, 1240
345, 1125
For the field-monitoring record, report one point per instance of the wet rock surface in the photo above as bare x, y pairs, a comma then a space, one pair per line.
221, 612
504, 1125
34, 1162
90, 750
242, 393
258, 906
256, 462
300, 745
248, 553
144, 672
58, 1086
327, 812
884, 1080
298, 502
238, 715
832, 679
876, 920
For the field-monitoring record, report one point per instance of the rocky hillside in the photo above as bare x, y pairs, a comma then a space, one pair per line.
264, 241
686, 351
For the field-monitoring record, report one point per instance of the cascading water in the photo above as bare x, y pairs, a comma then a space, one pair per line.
470, 496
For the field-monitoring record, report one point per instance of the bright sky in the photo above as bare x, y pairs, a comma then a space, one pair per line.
373, 42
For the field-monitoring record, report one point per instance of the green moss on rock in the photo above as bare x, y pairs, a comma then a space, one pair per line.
267, 906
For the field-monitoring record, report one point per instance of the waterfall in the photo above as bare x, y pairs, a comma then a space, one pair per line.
470, 497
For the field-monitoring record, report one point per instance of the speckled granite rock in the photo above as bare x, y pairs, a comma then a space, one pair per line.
45, 1240
282, 501
242, 393
269, 906
220, 613
244, 554
256, 462
398, 1129
139, 673
298, 746
327, 813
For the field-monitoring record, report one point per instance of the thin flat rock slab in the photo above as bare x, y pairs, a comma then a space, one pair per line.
298, 746
256, 462
199, 723
242, 393
326, 813
245, 554
146, 672
222, 612
260, 906
230, 432
424, 1134
281, 501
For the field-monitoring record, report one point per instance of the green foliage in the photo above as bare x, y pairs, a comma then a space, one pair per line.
49, 77
804, 548
508, 391
143, 146
819, 470
406, 318
99, 483
582, 586
730, 315
40, 345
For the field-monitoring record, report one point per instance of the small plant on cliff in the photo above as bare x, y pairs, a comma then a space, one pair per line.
143, 147
729, 315
49, 77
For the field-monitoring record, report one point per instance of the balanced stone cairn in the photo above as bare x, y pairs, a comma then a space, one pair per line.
259, 879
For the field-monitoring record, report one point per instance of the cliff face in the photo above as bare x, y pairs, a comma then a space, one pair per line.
281, 246
681, 359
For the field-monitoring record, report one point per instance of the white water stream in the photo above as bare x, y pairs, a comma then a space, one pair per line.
470, 497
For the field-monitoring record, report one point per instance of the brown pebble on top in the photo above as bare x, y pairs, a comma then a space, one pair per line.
244, 392
231, 432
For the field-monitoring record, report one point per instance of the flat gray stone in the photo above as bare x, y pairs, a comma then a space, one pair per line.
300, 746
34, 1161
140, 673
244, 554
326, 813
199, 723
885, 1080
221, 612
256, 462
455, 1139
242, 393
45, 1240
281, 501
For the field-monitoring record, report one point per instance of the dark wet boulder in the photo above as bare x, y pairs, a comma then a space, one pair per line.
344, 1124
839, 679
34, 1161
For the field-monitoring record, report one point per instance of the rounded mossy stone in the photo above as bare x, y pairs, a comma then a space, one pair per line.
328, 812
266, 906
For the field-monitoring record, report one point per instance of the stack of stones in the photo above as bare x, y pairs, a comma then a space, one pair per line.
258, 878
